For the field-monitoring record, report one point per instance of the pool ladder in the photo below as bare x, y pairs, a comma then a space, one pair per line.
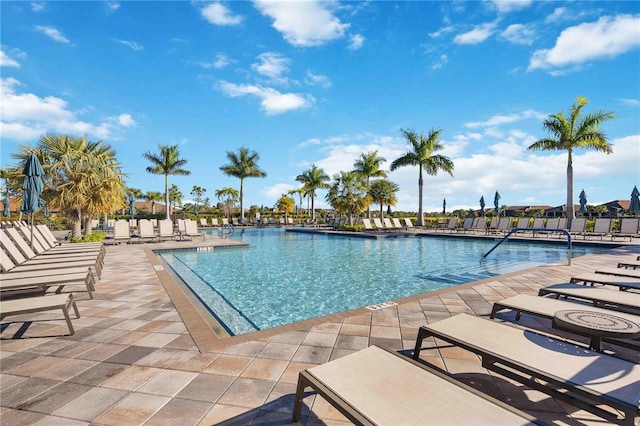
514, 230
227, 229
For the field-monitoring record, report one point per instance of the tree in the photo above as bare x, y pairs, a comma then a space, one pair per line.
313, 179
197, 192
383, 192
243, 164
422, 155
228, 196
571, 133
175, 196
167, 162
286, 205
153, 196
348, 194
368, 166
80, 176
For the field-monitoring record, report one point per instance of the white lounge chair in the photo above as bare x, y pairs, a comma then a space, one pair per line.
121, 231
628, 228
146, 231
599, 296
38, 304
165, 230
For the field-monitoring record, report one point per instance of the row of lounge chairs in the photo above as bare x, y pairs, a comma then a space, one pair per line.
122, 232
376, 386
629, 227
32, 261
386, 224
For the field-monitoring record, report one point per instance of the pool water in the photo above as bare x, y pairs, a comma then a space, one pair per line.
284, 277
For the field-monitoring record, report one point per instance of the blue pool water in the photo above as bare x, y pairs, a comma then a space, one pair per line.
284, 277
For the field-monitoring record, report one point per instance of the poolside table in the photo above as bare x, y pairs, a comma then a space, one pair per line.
596, 325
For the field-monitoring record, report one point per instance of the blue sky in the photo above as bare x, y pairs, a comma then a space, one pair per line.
322, 82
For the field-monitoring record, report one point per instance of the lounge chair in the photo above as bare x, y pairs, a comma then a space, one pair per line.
623, 283
408, 223
538, 223
628, 228
578, 226
621, 272
452, 225
601, 227
581, 377
367, 224
191, 229
375, 386
562, 223
466, 225
396, 223
290, 221
165, 230
378, 224
599, 296
214, 222
54, 244
121, 231
20, 252
146, 231
504, 225
546, 307
523, 224
493, 225
53, 252
10, 285
480, 225
203, 222
388, 224
30, 305
225, 221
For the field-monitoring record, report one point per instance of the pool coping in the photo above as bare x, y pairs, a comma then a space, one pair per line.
202, 326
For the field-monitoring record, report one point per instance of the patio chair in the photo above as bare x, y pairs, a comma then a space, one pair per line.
523, 224
504, 225
493, 225
146, 231
214, 222
367, 224
165, 230
54, 244
396, 223
388, 224
601, 227
598, 296
203, 222
378, 224
538, 223
377, 386
578, 226
59, 252
407, 222
191, 229
628, 228
546, 307
39, 304
467, 225
621, 272
480, 225
121, 232
581, 377
10, 285
623, 283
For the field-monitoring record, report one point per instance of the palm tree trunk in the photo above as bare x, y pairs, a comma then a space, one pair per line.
369, 206
87, 226
76, 230
420, 221
166, 197
313, 209
570, 212
241, 198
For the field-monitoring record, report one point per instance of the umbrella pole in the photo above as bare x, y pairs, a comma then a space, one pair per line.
31, 230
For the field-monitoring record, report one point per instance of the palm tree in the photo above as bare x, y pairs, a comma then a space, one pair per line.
153, 196
167, 162
175, 196
228, 196
242, 165
81, 177
422, 155
383, 192
573, 132
368, 166
313, 179
348, 194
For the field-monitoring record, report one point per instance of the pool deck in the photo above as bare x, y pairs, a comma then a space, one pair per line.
143, 354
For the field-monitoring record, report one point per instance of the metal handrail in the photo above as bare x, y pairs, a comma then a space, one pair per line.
514, 230
227, 229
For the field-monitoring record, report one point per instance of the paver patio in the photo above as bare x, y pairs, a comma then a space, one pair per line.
142, 354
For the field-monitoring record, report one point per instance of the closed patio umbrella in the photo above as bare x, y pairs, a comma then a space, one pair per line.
132, 205
195, 209
389, 212
482, 205
583, 202
496, 202
444, 206
5, 210
634, 206
32, 187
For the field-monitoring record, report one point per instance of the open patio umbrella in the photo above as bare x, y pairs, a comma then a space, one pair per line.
444, 206
583, 202
5, 210
132, 205
482, 205
32, 187
634, 206
496, 202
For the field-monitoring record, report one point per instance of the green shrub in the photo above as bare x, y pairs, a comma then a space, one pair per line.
94, 237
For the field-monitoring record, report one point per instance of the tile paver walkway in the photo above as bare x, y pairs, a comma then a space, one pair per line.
142, 355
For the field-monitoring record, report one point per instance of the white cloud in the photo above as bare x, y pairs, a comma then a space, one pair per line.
303, 23
559, 14
112, 6
607, 37
272, 101
630, 102
38, 6
443, 30
52, 33
272, 65
218, 14
220, 62
506, 6
442, 61
519, 34
27, 116
317, 80
477, 35
500, 119
276, 191
356, 42
6, 61
132, 44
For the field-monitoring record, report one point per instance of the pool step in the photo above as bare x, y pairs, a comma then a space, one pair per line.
461, 278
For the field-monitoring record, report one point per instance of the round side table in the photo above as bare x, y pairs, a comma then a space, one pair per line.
596, 325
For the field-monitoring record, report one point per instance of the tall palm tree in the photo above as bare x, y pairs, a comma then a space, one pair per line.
383, 192
167, 162
368, 166
349, 194
422, 155
313, 179
573, 132
153, 196
243, 164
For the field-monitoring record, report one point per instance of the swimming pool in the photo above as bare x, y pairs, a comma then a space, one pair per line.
284, 277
